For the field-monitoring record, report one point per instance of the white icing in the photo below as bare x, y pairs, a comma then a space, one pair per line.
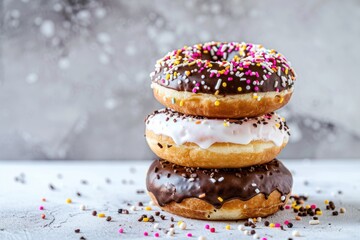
206, 132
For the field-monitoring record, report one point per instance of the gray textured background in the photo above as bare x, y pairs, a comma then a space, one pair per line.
75, 74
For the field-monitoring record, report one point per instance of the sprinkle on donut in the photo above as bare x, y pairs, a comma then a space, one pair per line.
224, 69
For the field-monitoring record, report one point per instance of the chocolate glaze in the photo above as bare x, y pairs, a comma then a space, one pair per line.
198, 79
169, 182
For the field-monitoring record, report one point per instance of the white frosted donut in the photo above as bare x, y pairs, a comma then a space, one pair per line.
195, 141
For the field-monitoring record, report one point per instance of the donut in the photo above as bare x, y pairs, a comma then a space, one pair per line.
225, 80
219, 194
196, 141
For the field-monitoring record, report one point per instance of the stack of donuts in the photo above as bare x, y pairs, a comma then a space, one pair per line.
218, 137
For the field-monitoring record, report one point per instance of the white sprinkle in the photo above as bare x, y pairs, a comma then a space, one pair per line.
225, 56
264, 77
247, 87
221, 179
179, 82
212, 179
314, 222
151, 203
217, 86
82, 207
253, 184
156, 226
201, 238
282, 198
259, 219
202, 76
256, 236
246, 232
182, 226
295, 233
257, 190
276, 84
133, 208
242, 79
241, 227
191, 179
170, 233
279, 71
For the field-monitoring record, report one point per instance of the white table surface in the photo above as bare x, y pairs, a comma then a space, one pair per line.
20, 217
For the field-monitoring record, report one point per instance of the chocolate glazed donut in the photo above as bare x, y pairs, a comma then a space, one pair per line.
221, 194
227, 80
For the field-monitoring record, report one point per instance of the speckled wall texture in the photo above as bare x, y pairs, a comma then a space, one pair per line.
75, 74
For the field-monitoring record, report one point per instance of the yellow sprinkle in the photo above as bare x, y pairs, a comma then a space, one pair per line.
145, 219
148, 208
101, 215
255, 96
227, 227
277, 125
272, 225
318, 212
217, 92
286, 70
179, 223
167, 77
217, 103
226, 124
326, 201
206, 51
224, 84
239, 89
198, 122
220, 199
258, 64
187, 73
254, 220
68, 200
297, 207
281, 99
181, 103
175, 74
307, 206
190, 64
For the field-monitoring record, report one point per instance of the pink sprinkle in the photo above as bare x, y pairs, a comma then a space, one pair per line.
287, 207
207, 226
264, 239
197, 84
256, 88
121, 230
41, 208
157, 234
248, 81
146, 234
189, 235
230, 78
313, 206
286, 222
194, 90
212, 230
277, 225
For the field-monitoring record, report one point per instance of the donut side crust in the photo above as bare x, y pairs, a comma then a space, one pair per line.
230, 106
235, 209
219, 155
